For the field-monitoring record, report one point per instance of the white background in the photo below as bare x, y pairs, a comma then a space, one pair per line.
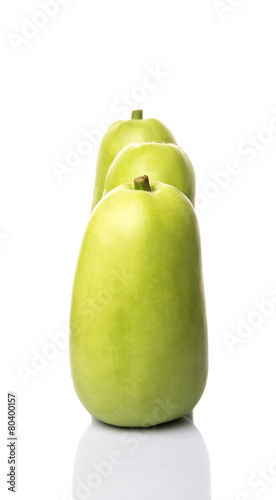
217, 91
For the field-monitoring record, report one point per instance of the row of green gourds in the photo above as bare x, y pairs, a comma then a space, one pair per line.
138, 329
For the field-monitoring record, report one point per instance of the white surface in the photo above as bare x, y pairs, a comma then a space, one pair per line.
162, 462
219, 90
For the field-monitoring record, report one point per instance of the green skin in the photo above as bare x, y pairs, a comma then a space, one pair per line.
138, 331
119, 135
167, 163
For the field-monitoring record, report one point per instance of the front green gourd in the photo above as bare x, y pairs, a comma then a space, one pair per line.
138, 330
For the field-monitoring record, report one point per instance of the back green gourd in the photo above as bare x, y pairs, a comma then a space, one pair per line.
119, 135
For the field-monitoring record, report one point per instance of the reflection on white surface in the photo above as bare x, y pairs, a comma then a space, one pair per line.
166, 462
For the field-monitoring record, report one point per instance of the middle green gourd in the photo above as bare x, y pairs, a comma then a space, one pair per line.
162, 162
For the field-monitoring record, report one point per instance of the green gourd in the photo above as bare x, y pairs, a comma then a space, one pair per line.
166, 163
138, 330
119, 135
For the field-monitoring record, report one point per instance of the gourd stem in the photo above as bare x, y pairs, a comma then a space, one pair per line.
142, 183
137, 114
